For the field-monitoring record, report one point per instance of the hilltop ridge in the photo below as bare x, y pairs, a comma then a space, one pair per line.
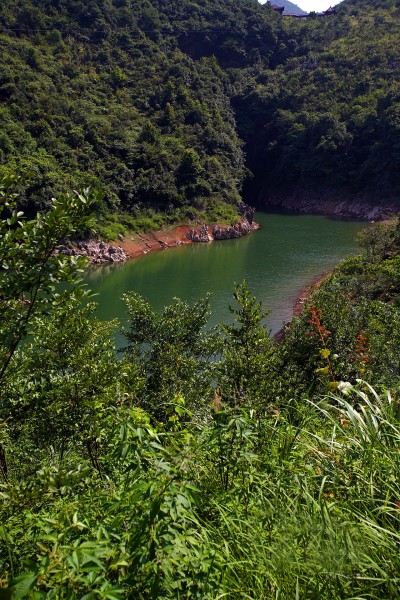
289, 7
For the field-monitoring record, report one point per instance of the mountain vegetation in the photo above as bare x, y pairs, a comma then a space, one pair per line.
130, 98
195, 462
324, 117
166, 108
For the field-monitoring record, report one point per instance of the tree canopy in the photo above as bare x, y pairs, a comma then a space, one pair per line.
165, 105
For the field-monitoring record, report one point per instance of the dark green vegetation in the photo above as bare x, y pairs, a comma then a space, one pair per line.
203, 463
151, 103
101, 95
326, 116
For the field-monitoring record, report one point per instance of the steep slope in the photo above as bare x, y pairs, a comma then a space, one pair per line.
151, 103
327, 116
105, 94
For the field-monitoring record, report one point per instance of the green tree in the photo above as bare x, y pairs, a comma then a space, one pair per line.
245, 367
64, 384
189, 168
173, 353
30, 268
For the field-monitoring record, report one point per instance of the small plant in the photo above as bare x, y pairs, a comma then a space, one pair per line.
362, 355
323, 335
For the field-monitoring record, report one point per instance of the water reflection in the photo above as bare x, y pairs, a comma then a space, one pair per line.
277, 261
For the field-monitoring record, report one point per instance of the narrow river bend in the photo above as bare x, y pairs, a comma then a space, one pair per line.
277, 261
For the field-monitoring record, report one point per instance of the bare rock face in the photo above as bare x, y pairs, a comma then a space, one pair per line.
98, 252
247, 212
200, 236
227, 233
231, 232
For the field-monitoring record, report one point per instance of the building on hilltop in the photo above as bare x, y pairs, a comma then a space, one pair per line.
325, 13
281, 10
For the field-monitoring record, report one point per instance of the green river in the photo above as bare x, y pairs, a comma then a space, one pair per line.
277, 261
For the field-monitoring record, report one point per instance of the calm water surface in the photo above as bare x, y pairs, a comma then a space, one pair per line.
277, 261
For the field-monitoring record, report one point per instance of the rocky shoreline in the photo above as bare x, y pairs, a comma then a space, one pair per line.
219, 233
99, 252
96, 251
133, 246
312, 203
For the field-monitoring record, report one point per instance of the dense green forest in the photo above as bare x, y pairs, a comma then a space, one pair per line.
195, 462
327, 114
198, 462
167, 107
128, 97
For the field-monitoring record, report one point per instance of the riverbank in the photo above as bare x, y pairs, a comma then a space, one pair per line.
140, 244
305, 293
133, 245
331, 205
300, 300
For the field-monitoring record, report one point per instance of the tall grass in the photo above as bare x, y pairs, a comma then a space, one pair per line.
323, 519
302, 504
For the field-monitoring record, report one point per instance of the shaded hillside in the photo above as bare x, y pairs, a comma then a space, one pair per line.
328, 114
151, 102
105, 94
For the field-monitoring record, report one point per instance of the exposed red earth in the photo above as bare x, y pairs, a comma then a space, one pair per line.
140, 244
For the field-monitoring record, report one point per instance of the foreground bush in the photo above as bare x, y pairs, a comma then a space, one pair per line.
239, 508
178, 471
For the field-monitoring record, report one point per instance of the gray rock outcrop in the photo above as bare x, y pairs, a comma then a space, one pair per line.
230, 232
200, 236
96, 251
246, 211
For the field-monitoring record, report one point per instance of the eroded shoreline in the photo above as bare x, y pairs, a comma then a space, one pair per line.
140, 244
305, 293
326, 204
300, 300
182, 235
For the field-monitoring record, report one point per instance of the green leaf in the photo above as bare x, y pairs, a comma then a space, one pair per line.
323, 371
112, 594
22, 585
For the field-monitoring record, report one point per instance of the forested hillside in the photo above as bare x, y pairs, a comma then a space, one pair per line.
163, 106
128, 97
195, 462
326, 116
